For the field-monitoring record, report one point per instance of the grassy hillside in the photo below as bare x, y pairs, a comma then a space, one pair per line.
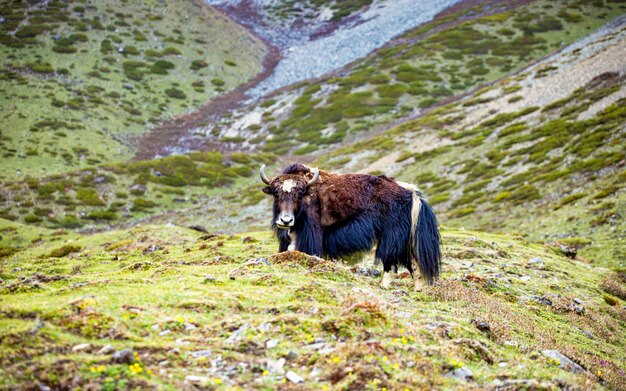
446, 57
81, 79
494, 162
124, 192
221, 312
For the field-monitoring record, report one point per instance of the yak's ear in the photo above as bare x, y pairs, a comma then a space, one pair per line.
267, 190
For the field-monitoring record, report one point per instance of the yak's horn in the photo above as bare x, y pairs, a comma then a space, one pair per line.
316, 175
264, 177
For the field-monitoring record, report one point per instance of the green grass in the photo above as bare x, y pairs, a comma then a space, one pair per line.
131, 66
167, 293
125, 192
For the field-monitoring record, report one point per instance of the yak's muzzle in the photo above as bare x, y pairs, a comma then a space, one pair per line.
285, 220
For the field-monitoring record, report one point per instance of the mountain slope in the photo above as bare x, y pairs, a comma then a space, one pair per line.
541, 153
449, 56
82, 80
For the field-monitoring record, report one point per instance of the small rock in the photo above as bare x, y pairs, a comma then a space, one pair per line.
276, 366
164, 363
128, 86
403, 314
569, 252
209, 279
197, 379
43, 387
189, 327
294, 377
152, 248
123, 357
482, 326
525, 278
16, 269
577, 301
165, 332
81, 347
315, 346
366, 272
565, 362
201, 353
579, 309
137, 188
460, 374
265, 327
292, 355
198, 228
236, 335
272, 343
106, 349
35, 329
535, 261
543, 300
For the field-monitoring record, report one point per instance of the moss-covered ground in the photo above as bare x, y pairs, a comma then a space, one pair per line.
224, 312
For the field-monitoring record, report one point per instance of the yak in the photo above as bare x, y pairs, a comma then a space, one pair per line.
333, 215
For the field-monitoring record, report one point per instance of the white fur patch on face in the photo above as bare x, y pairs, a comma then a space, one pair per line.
288, 185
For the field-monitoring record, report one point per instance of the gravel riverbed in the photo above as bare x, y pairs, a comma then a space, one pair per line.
306, 58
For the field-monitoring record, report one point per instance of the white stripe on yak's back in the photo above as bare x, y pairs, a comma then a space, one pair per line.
288, 185
408, 186
415, 215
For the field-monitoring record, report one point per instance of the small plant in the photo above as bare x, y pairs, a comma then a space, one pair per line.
63, 251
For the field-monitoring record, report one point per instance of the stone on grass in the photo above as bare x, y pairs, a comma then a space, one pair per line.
197, 379
201, 353
564, 361
294, 377
123, 357
81, 347
460, 374
276, 366
106, 349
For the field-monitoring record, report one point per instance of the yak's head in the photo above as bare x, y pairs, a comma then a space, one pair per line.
287, 190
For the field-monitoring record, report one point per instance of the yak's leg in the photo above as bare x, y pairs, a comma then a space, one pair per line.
283, 240
417, 275
294, 238
391, 248
308, 236
387, 278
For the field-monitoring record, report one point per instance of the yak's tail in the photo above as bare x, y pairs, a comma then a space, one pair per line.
425, 238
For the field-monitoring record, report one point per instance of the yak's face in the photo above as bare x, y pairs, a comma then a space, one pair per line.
288, 190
